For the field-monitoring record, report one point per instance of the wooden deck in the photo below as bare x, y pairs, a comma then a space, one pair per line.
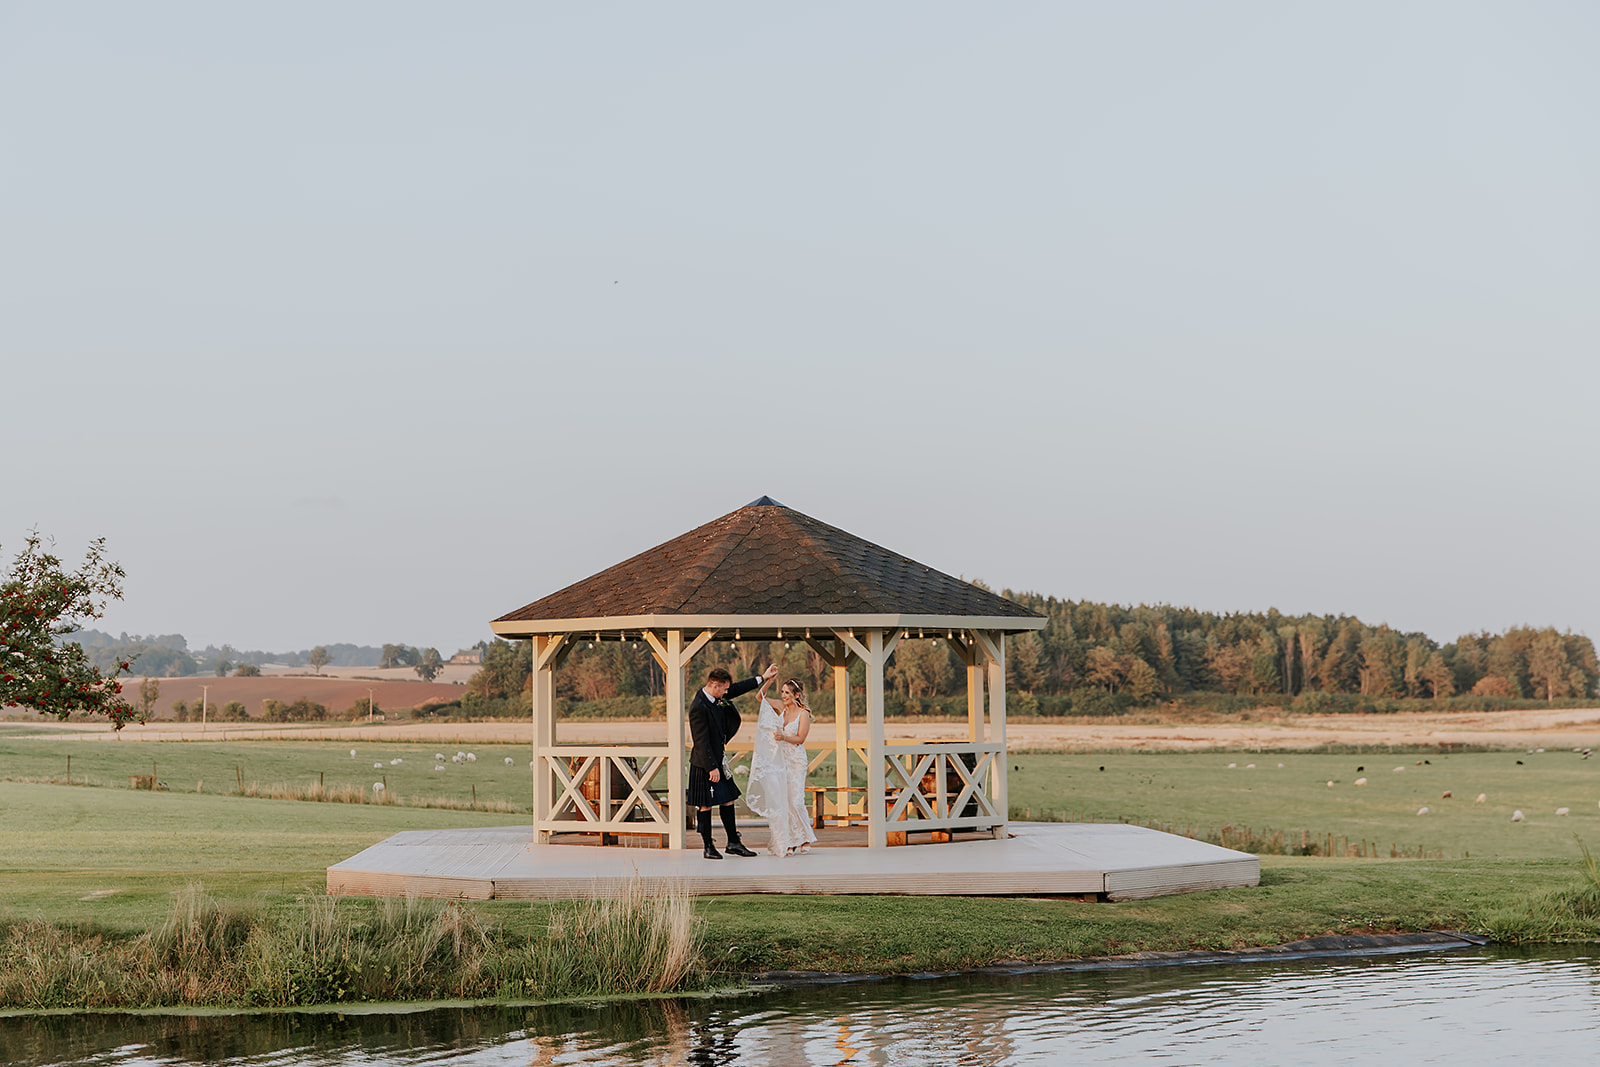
1110, 860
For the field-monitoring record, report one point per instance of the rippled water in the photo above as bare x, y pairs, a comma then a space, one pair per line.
1479, 1007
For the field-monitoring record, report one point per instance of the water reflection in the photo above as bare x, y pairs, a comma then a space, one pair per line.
1487, 1006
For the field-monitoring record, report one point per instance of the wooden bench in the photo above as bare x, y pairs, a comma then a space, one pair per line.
843, 818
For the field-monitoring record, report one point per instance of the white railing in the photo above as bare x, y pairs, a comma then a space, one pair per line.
625, 789
946, 785
609, 788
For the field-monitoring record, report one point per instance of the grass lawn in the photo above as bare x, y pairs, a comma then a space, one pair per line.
1290, 792
218, 766
115, 859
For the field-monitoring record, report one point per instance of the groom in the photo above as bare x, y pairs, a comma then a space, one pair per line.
713, 720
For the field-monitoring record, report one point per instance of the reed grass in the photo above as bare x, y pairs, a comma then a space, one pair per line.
640, 941
325, 949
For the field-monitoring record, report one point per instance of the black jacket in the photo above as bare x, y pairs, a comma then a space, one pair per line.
713, 724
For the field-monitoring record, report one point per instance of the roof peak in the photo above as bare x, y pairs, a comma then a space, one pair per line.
764, 502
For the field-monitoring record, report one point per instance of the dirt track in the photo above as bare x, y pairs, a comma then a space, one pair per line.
1556, 728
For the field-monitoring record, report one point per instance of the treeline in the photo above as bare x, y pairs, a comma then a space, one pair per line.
1094, 658
169, 656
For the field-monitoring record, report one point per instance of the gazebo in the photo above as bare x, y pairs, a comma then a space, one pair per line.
769, 573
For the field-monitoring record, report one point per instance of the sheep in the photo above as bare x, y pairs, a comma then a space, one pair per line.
1330, 783
1399, 770
1445, 795
1517, 816
1481, 798
352, 753
1563, 811
509, 761
377, 787
396, 762
1422, 811
377, 766
1361, 781
471, 758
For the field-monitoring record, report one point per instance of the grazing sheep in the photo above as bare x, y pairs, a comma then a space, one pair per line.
1563, 811
1517, 816
378, 766
1361, 781
471, 758
1481, 798
1422, 811
1330, 783
509, 761
396, 762
1280, 766
1399, 770
438, 766
1231, 766
1446, 795
438, 757
1249, 766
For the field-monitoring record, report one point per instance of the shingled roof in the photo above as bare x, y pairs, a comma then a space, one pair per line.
770, 565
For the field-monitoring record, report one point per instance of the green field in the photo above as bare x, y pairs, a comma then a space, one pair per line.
114, 859
1199, 790
219, 767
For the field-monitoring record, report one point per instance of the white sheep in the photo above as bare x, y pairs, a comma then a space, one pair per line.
352, 753
1422, 811
471, 758
396, 762
438, 766
1517, 816
1399, 770
377, 787
1231, 766
1330, 783
1249, 766
1361, 781
509, 761
378, 766
438, 757
1481, 798
1563, 811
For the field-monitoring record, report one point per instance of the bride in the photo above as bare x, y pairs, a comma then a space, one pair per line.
777, 787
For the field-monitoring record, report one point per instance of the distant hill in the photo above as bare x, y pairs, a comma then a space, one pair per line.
169, 655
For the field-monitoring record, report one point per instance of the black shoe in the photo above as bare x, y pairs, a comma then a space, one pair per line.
712, 853
737, 848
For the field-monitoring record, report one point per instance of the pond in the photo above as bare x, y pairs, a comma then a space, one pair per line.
1478, 1006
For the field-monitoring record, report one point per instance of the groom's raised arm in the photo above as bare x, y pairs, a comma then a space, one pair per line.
739, 689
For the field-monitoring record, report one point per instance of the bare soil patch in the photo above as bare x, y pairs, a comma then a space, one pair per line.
336, 693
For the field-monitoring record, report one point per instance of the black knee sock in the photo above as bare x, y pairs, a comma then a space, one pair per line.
729, 825
702, 822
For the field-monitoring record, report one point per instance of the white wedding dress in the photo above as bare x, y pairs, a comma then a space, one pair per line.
777, 786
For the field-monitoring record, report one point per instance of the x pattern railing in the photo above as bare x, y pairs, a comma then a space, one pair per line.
918, 783
587, 787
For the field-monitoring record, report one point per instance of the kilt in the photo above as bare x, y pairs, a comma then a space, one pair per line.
704, 793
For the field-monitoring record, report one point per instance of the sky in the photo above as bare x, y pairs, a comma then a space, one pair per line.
371, 322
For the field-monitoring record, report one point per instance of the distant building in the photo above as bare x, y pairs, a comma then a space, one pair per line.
471, 657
